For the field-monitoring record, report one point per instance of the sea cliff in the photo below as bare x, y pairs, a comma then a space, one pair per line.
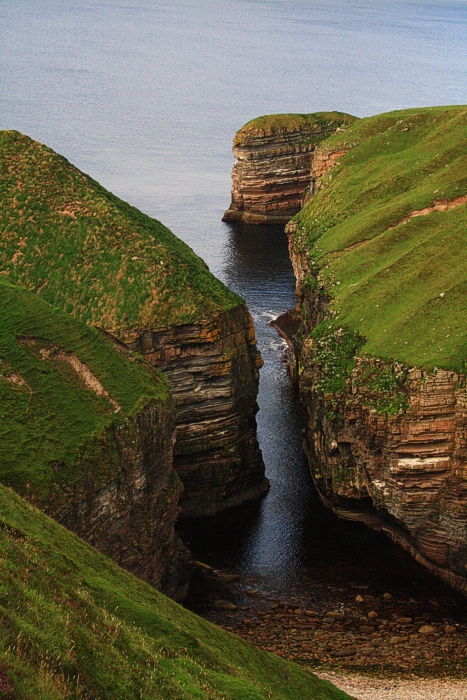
87, 437
378, 256
85, 251
272, 164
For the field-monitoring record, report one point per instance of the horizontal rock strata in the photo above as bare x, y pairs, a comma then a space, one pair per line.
272, 167
386, 440
405, 473
213, 368
117, 269
77, 446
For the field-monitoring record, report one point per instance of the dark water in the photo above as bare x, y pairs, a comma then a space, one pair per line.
146, 96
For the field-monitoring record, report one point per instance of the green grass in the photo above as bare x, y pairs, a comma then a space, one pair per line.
402, 286
74, 625
316, 121
88, 252
51, 422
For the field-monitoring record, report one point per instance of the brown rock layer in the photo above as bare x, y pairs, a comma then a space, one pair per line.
127, 509
213, 368
272, 167
404, 473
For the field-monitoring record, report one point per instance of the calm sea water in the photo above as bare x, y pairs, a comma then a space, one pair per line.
146, 97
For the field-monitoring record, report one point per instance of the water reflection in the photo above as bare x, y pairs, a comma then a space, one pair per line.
258, 267
289, 544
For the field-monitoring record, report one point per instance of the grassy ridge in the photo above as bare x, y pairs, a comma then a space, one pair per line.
49, 417
88, 252
400, 282
75, 625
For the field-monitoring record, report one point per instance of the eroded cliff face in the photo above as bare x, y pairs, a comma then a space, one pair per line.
91, 254
213, 368
88, 438
273, 156
128, 509
404, 473
386, 441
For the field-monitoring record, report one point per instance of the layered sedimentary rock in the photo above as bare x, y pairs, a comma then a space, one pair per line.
381, 350
86, 251
272, 164
87, 437
213, 368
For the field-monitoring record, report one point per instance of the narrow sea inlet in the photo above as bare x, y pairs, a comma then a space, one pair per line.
146, 98
282, 567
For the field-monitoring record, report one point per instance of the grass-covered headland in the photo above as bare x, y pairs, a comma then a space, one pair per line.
386, 236
85, 250
74, 625
64, 391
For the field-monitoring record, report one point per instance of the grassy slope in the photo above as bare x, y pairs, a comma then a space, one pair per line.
291, 122
48, 417
75, 625
386, 277
88, 252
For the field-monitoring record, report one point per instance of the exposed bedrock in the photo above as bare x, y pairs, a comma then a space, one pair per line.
387, 440
395, 459
87, 437
131, 515
272, 164
85, 251
213, 368
405, 474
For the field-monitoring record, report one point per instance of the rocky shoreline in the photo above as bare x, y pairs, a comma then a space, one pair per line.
347, 631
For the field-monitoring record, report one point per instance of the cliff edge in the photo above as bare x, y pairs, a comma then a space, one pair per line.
89, 253
379, 254
272, 164
87, 436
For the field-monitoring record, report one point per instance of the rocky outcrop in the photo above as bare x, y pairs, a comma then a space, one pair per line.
130, 516
87, 252
386, 439
324, 158
213, 368
81, 447
272, 168
405, 473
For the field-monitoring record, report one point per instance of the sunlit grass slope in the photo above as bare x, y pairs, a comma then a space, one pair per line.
88, 252
75, 625
51, 419
399, 280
